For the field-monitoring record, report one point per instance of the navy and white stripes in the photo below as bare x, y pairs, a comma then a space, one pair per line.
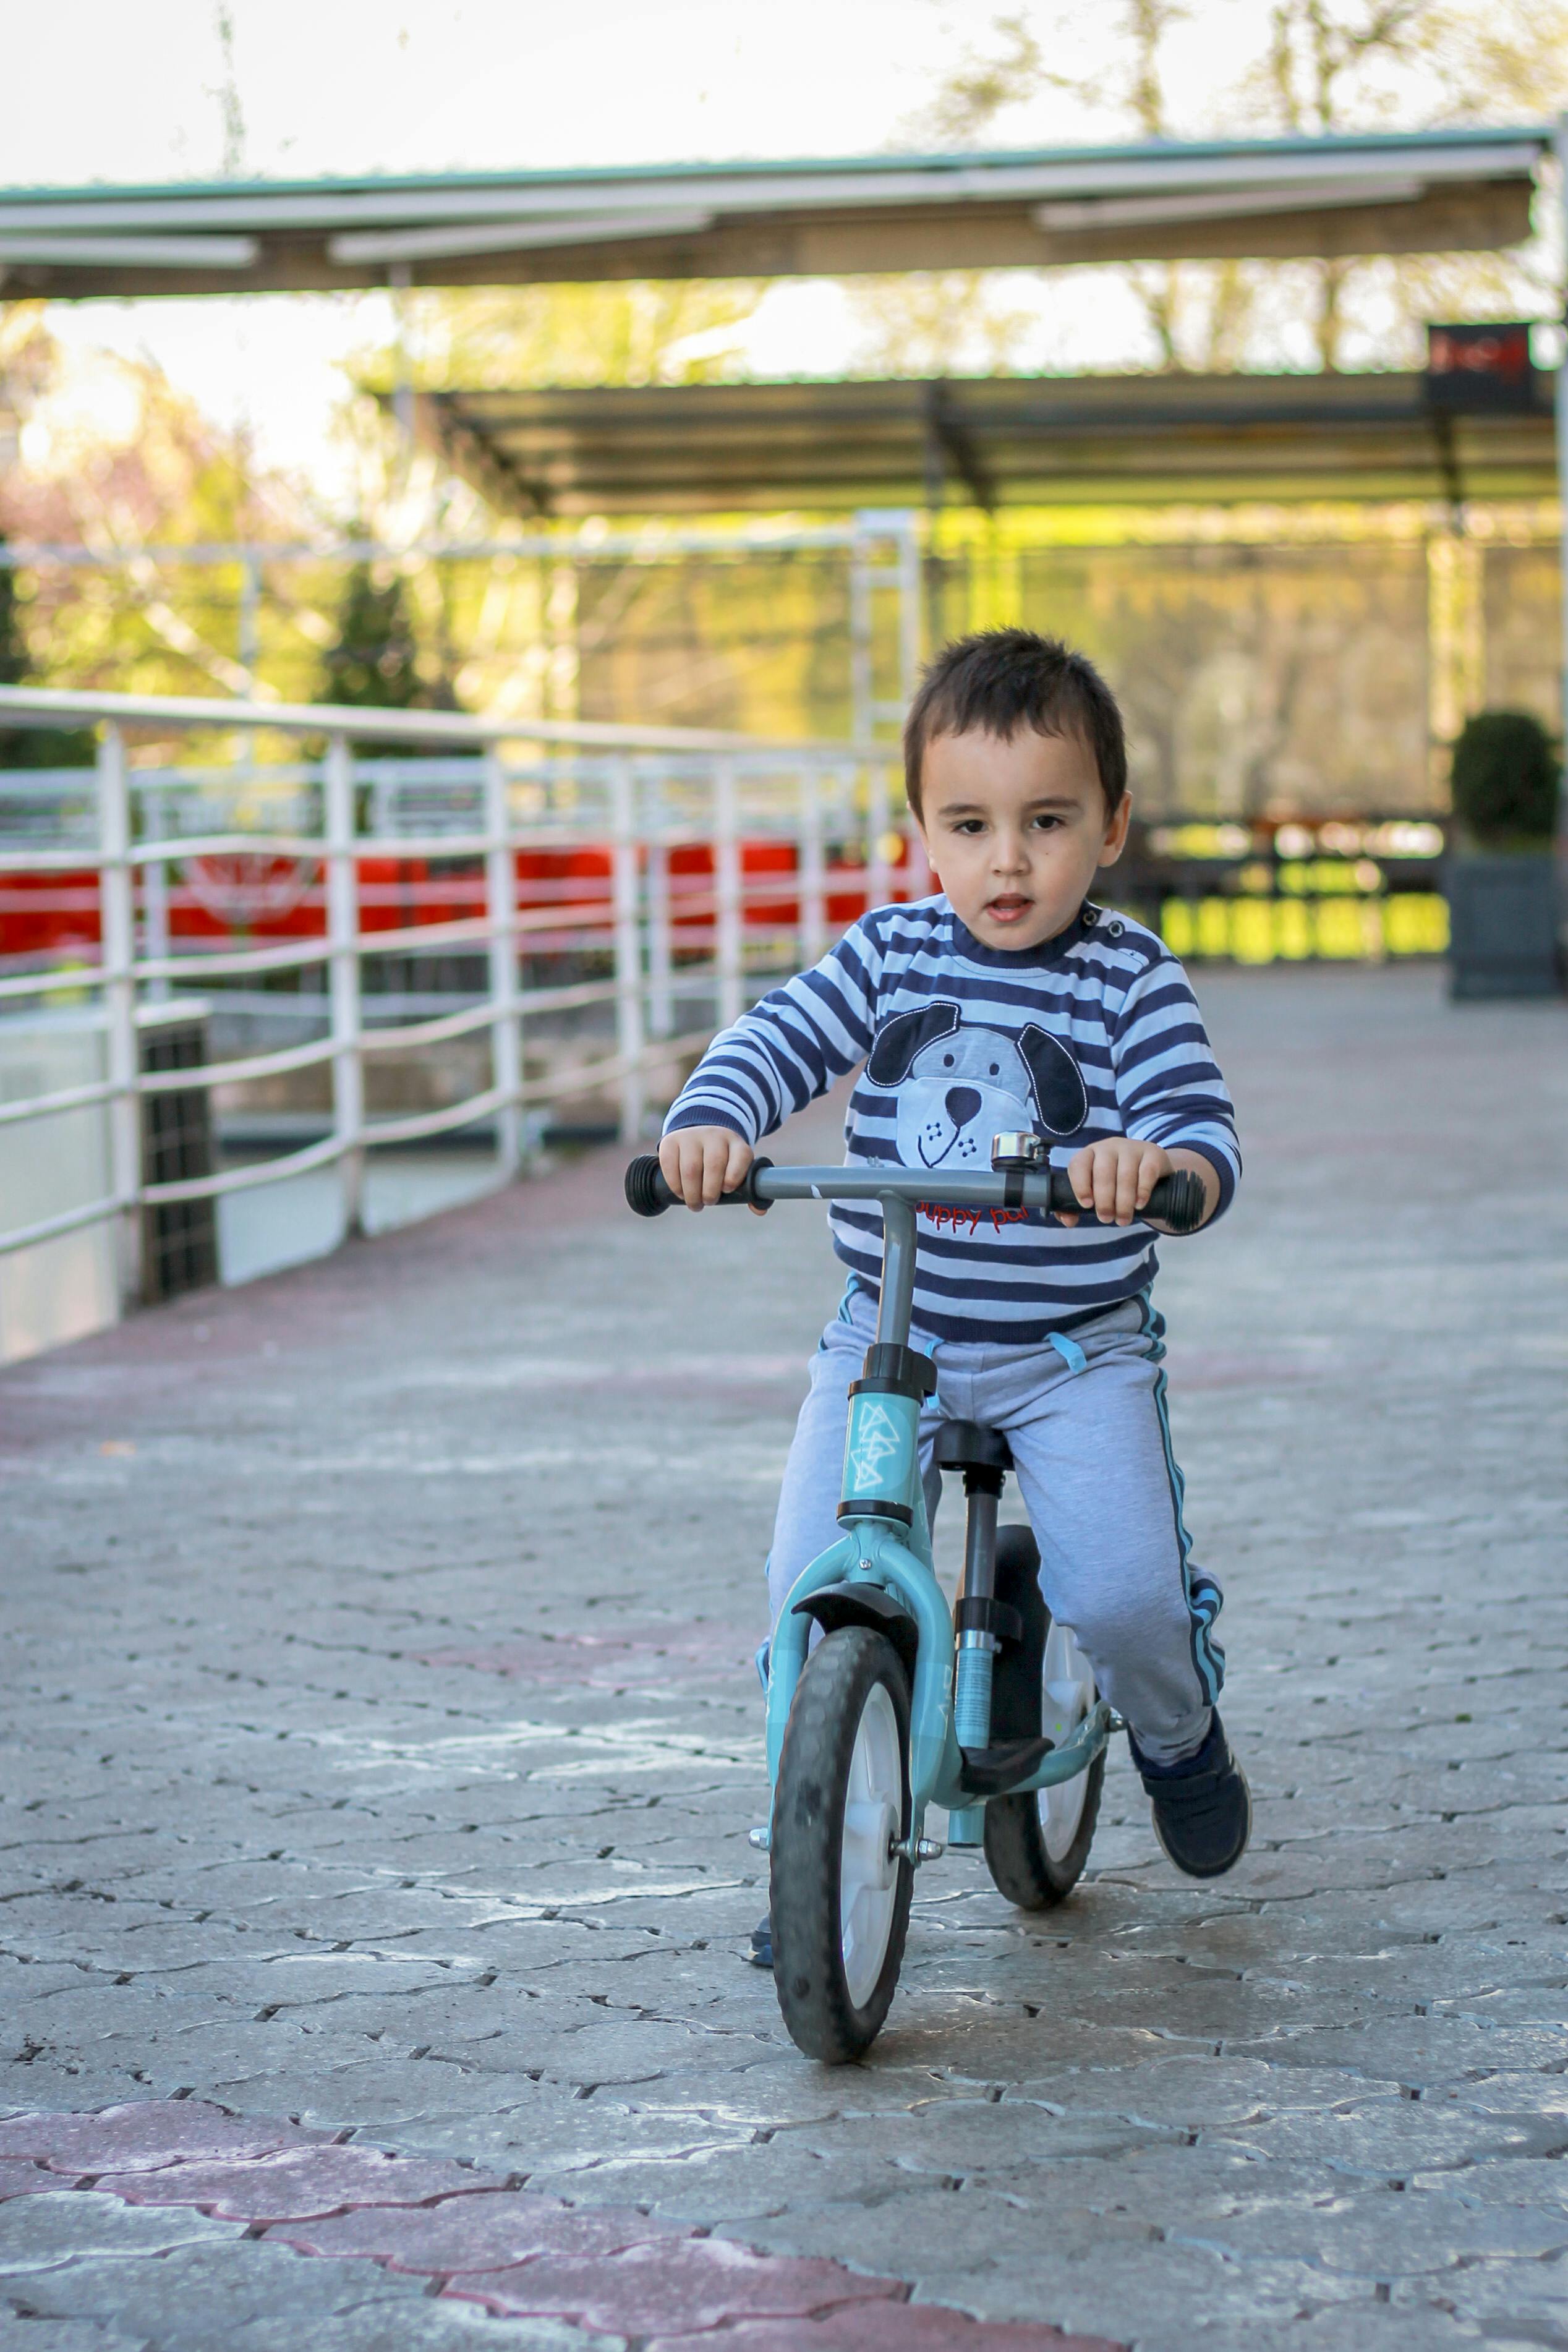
1095, 1033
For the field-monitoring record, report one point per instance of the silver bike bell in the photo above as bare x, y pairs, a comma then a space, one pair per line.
1017, 1148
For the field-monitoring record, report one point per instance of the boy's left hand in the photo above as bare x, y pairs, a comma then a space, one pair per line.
1115, 1177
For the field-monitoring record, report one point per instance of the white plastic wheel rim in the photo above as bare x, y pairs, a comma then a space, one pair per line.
1066, 1698
867, 1873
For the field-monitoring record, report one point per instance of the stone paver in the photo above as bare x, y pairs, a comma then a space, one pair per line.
383, 1740
475, 2239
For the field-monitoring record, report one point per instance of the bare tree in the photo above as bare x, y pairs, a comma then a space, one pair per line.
227, 94
1325, 66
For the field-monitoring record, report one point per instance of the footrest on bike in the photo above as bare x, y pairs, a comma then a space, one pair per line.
991, 1771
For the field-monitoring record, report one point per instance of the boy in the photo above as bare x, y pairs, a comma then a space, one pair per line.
1012, 1001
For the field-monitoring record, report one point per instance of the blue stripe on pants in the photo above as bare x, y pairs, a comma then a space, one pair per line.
1203, 1593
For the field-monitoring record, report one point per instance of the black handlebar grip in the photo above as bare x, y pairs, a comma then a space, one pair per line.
1179, 1201
647, 1194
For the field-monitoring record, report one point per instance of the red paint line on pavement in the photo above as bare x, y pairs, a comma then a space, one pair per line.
477, 2238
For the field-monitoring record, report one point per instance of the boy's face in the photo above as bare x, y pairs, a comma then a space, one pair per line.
1016, 832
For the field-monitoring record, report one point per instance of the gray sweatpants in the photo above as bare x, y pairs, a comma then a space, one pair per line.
1086, 1423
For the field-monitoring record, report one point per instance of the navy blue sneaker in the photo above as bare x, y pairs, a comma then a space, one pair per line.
762, 1943
1202, 1807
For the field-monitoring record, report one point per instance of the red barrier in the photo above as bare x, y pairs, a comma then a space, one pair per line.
255, 897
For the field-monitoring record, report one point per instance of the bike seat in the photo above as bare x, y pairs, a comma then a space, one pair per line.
969, 1445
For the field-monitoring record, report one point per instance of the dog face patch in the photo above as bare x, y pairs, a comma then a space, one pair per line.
959, 1084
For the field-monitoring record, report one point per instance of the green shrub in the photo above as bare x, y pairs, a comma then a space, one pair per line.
32, 747
1505, 780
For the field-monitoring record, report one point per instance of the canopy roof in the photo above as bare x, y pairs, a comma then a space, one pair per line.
1445, 191
1080, 440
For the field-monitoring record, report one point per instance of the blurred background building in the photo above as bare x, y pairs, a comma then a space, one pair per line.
1226, 342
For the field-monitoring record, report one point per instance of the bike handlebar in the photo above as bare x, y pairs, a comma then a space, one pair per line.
1176, 1199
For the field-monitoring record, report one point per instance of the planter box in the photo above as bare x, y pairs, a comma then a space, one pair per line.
1504, 913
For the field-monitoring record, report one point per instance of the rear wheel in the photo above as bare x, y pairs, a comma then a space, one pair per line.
840, 1895
1037, 1844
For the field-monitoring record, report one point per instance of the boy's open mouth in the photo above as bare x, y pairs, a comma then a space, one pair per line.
1010, 908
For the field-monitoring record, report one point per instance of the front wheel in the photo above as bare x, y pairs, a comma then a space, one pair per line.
840, 1895
1037, 1843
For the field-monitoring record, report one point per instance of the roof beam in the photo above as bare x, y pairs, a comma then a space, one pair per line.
1427, 192
1106, 440
510, 236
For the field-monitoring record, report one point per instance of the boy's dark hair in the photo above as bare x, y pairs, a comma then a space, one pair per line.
1001, 679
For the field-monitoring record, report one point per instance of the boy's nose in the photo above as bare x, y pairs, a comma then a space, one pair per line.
962, 1102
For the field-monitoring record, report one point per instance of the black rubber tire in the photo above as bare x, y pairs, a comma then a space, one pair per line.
807, 1850
1015, 1854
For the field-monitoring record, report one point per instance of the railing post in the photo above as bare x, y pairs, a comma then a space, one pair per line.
813, 875
1560, 142
879, 873
500, 909
908, 610
862, 685
628, 948
155, 889
116, 902
729, 938
660, 949
342, 938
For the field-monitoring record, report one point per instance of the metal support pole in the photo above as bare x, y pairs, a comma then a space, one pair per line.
878, 872
118, 947
813, 873
342, 937
629, 949
660, 949
400, 277
250, 617
1561, 146
728, 935
155, 890
908, 610
561, 623
862, 683
500, 908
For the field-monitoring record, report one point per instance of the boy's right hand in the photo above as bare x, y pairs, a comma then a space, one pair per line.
702, 1162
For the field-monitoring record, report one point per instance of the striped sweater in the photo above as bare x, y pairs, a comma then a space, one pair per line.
1094, 1033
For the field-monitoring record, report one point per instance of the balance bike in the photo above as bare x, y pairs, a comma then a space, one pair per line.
990, 1711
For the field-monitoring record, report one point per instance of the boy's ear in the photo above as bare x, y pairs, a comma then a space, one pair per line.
906, 1034
1060, 1096
925, 838
1115, 840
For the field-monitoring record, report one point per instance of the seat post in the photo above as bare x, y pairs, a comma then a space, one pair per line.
982, 1495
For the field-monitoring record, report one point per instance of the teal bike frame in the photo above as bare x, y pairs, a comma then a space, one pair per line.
890, 1547
886, 1546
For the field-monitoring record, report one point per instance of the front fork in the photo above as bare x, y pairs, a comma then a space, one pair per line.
977, 1645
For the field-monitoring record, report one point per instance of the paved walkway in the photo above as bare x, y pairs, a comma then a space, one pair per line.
384, 1744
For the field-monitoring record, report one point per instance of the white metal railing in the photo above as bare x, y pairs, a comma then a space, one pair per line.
880, 548
658, 929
